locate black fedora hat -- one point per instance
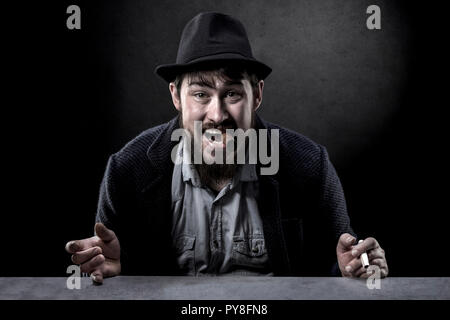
(210, 39)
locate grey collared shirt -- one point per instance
(216, 234)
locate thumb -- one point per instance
(346, 240)
(97, 276)
(103, 232)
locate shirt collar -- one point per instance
(246, 172)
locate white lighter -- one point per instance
(364, 258)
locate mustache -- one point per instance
(222, 126)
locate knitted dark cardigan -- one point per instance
(302, 207)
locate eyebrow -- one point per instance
(210, 85)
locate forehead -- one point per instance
(214, 79)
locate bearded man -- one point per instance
(162, 213)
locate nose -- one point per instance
(217, 111)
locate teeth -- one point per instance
(213, 134)
(213, 131)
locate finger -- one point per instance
(365, 275)
(369, 272)
(85, 255)
(103, 232)
(379, 262)
(353, 266)
(360, 272)
(366, 245)
(79, 245)
(92, 264)
(383, 273)
(111, 268)
(345, 242)
(375, 254)
(97, 276)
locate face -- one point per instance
(219, 104)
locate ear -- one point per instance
(259, 94)
(175, 96)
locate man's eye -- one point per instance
(233, 94)
(200, 95)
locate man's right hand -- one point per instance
(99, 255)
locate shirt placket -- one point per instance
(216, 227)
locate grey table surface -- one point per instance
(224, 288)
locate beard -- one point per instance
(214, 173)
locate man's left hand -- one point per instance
(349, 253)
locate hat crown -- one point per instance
(209, 40)
(212, 33)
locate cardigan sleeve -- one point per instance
(332, 199)
(108, 197)
(333, 205)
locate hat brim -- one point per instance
(169, 71)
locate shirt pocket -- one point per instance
(249, 252)
(184, 249)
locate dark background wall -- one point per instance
(375, 99)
